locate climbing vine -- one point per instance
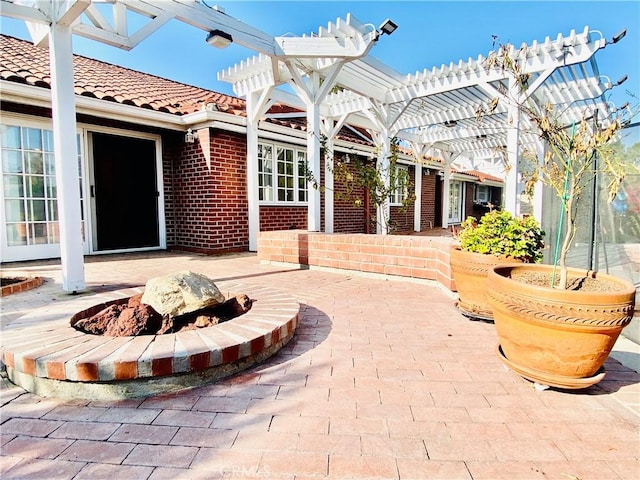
(358, 175)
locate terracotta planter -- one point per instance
(558, 338)
(470, 274)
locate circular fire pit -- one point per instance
(46, 356)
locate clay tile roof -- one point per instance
(22, 62)
(482, 177)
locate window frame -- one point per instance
(487, 194)
(282, 155)
(398, 196)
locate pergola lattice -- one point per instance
(433, 109)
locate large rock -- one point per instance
(180, 293)
(122, 321)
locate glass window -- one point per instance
(399, 178)
(29, 183)
(482, 194)
(265, 173)
(302, 176)
(455, 202)
(281, 179)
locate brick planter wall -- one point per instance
(405, 256)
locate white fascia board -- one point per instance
(492, 183)
(41, 97)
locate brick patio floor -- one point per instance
(384, 379)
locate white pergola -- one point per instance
(433, 109)
(439, 108)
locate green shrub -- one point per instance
(500, 233)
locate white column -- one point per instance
(446, 194)
(313, 160)
(417, 206)
(329, 185)
(511, 198)
(384, 210)
(538, 191)
(252, 170)
(66, 158)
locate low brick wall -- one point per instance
(402, 255)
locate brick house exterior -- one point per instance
(201, 187)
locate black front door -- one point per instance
(125, 192)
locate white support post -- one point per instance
(417, 205)
(446, 191)
(384, 211)
(253, 212)
(257, 104)
(66, 158)
(511, 197)
(313, 160)
(328, 185)
(538, 190)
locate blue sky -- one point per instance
(430, 33)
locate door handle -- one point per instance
(93, 191)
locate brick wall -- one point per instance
(283, 217)
(211, 200)
(401, 255)
(348, 217)
(428, 208)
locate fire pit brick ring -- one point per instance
(45, 355)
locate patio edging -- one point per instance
(50, 357)
(425, 258)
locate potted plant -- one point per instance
(498, 238)
(556, 325)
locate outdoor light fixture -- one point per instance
(621, 80)
(219, 39)
(619, 36)
(190, 137)
(450, 123)
(388, 27)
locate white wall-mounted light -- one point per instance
(190, 136)
(219, 39)
(388, 27)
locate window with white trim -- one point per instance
(282, 174)
(29, 185)
(482, 194)
(455, 202)
(400, 179)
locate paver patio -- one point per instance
(383, 379)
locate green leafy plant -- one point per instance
(500, 233)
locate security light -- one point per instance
(388, 27)
(619, 36)
(219, 39)
(190, 137)
(621, 80)
(450, 123)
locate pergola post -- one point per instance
(66, 157)
(383, 211)
(511, 197)
(257, 104)
(538, 189)
(313, 154)
(417, 204)
(446, 190)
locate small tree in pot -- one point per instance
(497, 238)
(559, 331)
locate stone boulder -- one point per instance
(122, 320)
(181, 293)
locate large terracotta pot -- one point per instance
(554, 337)
(470, 274)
